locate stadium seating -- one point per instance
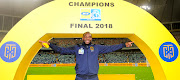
(113, 57)
(44, 58)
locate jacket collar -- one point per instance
(86, 44)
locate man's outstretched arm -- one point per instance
(61, 50)
(107, 49)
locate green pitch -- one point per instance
(141, 73)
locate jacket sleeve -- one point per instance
(61, 50)
(107, 49)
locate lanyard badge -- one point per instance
(81, 51)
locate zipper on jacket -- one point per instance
(87, 58)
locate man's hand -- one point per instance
(128, 44)
(42, 42)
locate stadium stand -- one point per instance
(44, 58)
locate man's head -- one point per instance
(87, 37)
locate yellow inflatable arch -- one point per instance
(103, 18)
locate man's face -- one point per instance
(87, 38)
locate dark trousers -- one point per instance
(86, 77)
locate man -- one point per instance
(87, 64)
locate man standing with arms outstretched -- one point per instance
(87, 64)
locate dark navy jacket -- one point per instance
(87, 56)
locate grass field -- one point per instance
(141, 73)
